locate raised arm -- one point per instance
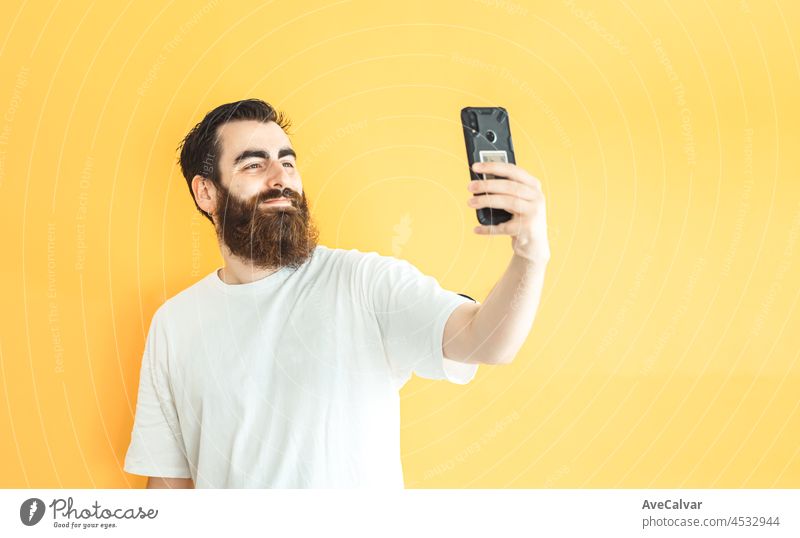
(494, 331)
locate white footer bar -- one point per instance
(417, 513)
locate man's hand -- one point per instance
(521, 195)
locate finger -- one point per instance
(499, 169)
(510, 227)
(506, 170)
(503, 186)
(501, 201)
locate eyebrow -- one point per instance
(263, 154)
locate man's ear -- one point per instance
(205, 194)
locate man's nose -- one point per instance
(277, 177)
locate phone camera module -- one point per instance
(491, 137)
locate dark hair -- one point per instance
(200, 150)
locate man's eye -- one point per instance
(290, 164)
(252, 165)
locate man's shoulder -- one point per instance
(356, 266)
(362, 256)
(345, 256)
(188, 300)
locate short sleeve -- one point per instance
(411, 309)
(156, 447)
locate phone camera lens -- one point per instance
(490, 136)
(473, 121)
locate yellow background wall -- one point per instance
(665, 350)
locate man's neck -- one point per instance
(237, 271)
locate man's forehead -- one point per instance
(236, 136)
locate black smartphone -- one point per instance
(487, 135)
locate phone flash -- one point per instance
(492, 156)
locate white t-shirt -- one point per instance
(291, 381)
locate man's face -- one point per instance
(262, 212)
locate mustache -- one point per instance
(271, 194)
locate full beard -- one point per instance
(267, 236)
